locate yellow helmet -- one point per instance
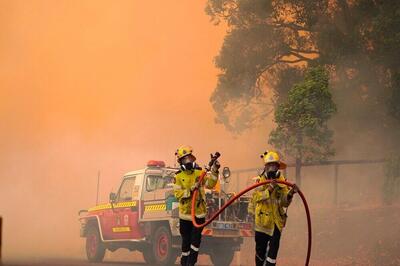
(273, 157)
(183, 151)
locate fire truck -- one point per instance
(143, 216)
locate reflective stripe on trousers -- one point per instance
(267, 247)
(191, 239)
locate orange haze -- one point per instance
(99, 85)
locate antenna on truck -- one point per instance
(98, 185)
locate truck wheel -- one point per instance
(95, 249)
(221, 257)
(148, 255)
(163, 253)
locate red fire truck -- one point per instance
(143, 216)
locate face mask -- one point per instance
(188, 166)
(187, 163)
(273, 174)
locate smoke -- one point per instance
(89, 86)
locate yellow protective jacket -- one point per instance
(268, 208)
(184, 180)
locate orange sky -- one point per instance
(96, 70)
(100, 85)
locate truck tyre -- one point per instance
(95, 249)
(221, 257)
(162, 251)
(148, 255)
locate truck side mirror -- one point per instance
(226, 173)
(113, 197)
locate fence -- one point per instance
(250, 172)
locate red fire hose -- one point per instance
(215, 215)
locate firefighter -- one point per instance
(186, 181)
(268, 207)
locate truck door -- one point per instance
(126, 215)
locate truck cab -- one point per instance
(143, 216)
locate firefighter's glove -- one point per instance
(271, 187)
(215, 167)
(195, 186)
(295, 189)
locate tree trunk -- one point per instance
(299, 157)
(298, 171)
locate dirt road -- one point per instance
(67, 262)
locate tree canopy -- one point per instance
(269, 44)
(302, 119)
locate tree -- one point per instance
(302, 120)
(394, 100)
(391, 185)
(267, 41)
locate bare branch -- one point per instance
(300, 56)
(305, 51)
(291, 25)
(292, 61)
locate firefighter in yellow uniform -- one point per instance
(268, 206)
(186, 181)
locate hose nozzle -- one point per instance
(213, 159)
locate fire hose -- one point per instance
(215, 215)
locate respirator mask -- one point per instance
(188, 163)
(271, 171)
